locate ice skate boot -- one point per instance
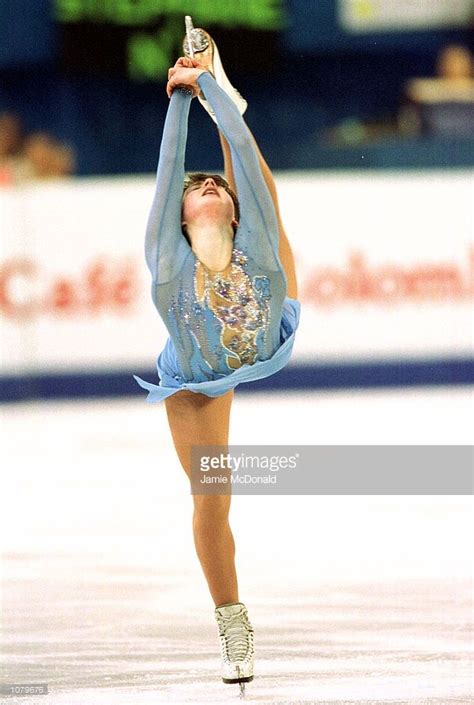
(199, 45)
(237, 645)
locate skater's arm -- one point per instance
(265, 169)
(165, 246)
(256, 203)
(285, 252)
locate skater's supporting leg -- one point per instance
(196, 419)
(285, 252)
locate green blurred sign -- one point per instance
(261, 14)
(149, 33)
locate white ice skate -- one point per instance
(199, 45)
(237, 647)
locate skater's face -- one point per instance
(209, 199)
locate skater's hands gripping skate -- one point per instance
(185, 72)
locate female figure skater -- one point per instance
(223, 280)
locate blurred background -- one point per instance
(364, 109)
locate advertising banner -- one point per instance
(385, 270)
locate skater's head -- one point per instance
(208, 197)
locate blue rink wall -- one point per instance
(85, 385)
(385, 265)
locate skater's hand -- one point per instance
(183, 62)
(187, 62)
(182, 75)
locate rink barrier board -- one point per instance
(386, 284)
(300, 378)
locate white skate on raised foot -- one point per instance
(199, 45)
(237, 646)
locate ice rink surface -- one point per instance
(354, 600)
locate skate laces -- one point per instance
(236, 634)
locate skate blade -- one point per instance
(195, 42)
(242, 679)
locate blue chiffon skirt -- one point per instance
(168, 367)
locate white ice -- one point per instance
(354, 600)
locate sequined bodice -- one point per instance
(240, 304)
(220, 321)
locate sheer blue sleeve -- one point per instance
(258, 229)
(165, 246)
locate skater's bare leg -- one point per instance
(285, 252)
(196, 419)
